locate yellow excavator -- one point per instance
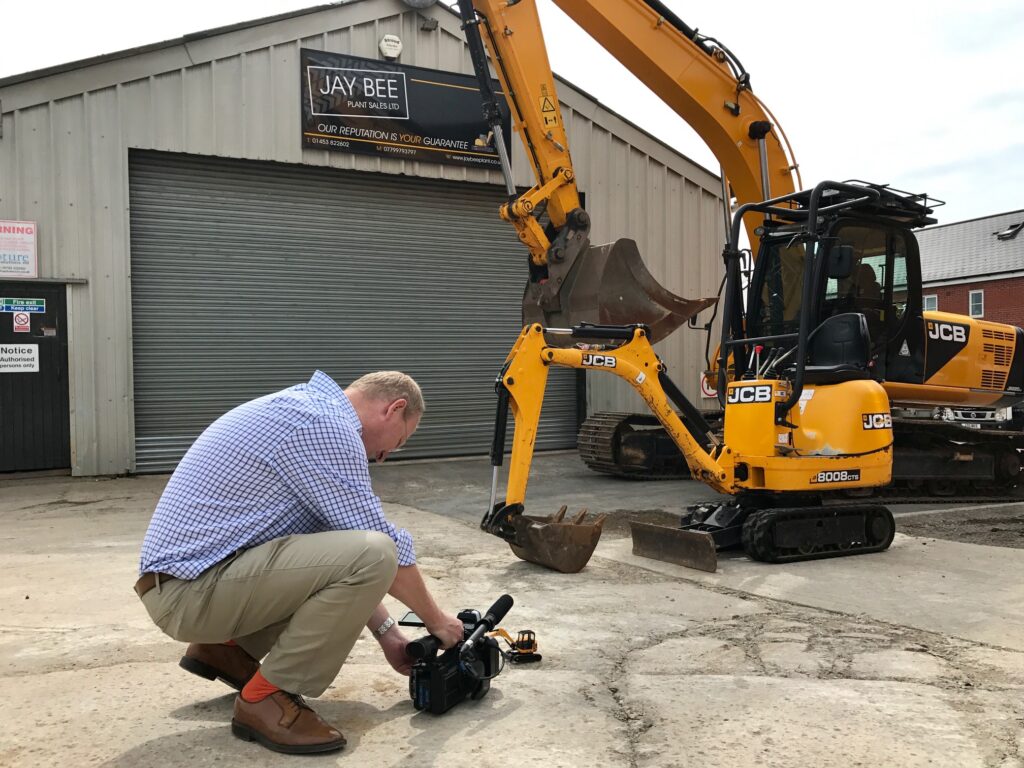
(831, 328)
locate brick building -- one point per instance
(976, 267)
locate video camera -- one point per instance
(440, 680)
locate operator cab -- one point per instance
(869, 265)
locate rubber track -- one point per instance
(596, 446)
(759, 538)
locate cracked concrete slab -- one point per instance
(643, 665)
(966, 590)
(766, 721)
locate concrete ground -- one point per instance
(911, 657)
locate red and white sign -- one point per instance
(707, 389)
(18, 249)
(22, 322)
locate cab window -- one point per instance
(877, 284)
(781, 283)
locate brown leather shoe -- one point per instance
(284, 722)
(230, 663)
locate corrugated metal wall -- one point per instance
(244, 274)
(235, 93)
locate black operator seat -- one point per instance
(838, 350)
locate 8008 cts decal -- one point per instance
(837, 476)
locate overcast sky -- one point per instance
(926, 96)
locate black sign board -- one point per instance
(371, 107)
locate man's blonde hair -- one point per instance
(390, 386)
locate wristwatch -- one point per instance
(388, 624)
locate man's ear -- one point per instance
(397, 406)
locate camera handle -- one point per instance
(430, 646)
(423, 648)
(490, 620)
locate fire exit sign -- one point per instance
(22, 305)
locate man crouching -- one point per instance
(269, 543)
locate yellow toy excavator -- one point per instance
(809, 358)
(522, 650)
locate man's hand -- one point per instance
(448, 629)
(393, 644)
(408, 588)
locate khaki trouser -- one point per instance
(301, 601)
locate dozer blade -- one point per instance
(607, 285)
(692, 549)
(554, 543)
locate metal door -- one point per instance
(247, 276)
(34, 416)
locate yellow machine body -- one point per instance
(837, 436)
(968, 362)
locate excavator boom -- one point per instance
(703, 83)
(572, 281)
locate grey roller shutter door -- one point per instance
(248, 276)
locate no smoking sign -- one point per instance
(22, 322)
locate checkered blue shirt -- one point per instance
(291, 462)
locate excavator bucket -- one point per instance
(606, 285)
(554, 543)
(692, 549)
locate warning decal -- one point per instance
(548, 110)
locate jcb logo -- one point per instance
(753, 393)
(947, 332)
(877, 420)
(599, 361)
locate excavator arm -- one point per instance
(572, 281)
(697, 77)
(525, 75)
(524, 378)
(552, 541)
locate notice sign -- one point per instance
(19, 358)
(22, 305)
(18, 249)
(370, 107)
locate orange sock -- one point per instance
(258, 688)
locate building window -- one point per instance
(976, 302)
(931, 302)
